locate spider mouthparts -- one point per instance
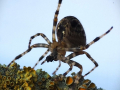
(49, 58)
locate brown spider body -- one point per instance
(70, 31)
(71, 37)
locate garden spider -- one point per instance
(71, 37)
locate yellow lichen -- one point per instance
(86, 81)
(83, 86)
(82, 89)
(29, 79)
(51, 83)
(92, 85)
(69, 80)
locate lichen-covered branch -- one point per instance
(14, 78)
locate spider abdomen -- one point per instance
(71, 32)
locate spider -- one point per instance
(71, 37)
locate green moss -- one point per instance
(27, 78)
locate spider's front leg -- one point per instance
(28, 50)
(41, 58)
(38, 34)
(48, 41)
(55, 21)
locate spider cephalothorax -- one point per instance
(71, 37)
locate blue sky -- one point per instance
(20, 19)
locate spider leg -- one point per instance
(55, 21)
(38, 34)
(89, 44)
(72, 63)
(43, 61)
(83, 52)
(57, 68)
(96, 64)
(41, 58)
(95, 40)
(28, 50)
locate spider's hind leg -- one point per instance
(89, 44)
(83, 52)
(96, 39)
(96, 64)
(71, 64)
